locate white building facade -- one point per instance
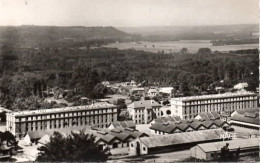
(98, 114)
(190, 107)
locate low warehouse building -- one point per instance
(248, 118)
(172, 142)
(171, 126)
(212, 151)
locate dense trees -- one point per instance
(83, 70)
(77, 147)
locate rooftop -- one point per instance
(233, 144)
(170, 125)
(247, 117)
(182, 138)
(124, 124)
(65, 109)
(212, 96)
(144, 103)
(209, 115)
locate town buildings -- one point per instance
(190, 107)
(124, 124)
(212, 151)
(105, 138)
(208, 115)
(173, 125)
(167, 90)
(144, 111)
(97, 114)
(152, 92)
(240, 86)
(172, 142)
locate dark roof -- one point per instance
(195, 125)
(120, 134)
(182, 138)
(170, 127)
(207, 123)
(166, 119)
(124, 124)
(105, 137)
(134, 133)
(219, 122)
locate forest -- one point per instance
(27, 72)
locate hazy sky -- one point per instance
(128, 12)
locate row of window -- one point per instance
(31, 126)
(217, 101)
(218, 107)
(54, 116)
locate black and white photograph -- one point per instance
(125, 81)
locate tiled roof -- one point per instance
(170, 125)
(144, 104)
(207, 123)
(119, 134)
(124, 124)
(182, 138)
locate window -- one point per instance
(144, 148)
(132, 145)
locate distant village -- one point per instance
(138, 120)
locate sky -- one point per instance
(128, 13)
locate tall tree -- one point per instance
(77, 147)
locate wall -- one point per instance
(198, 153)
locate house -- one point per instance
(152, 92)
(35, 136)
(124, 124)
(212, 151)
(167, 90)
(248, 118)
(137, 91)
(173, 142)
(105, 138)
(144, 111)
(219, 88)
(240, 86)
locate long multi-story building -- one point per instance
(98, 114)
(189, 107)
(144, 111)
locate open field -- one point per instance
(176, 46)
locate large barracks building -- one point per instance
(189, 107)
(98, 115)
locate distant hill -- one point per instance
(42, 34)
(193, 32)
